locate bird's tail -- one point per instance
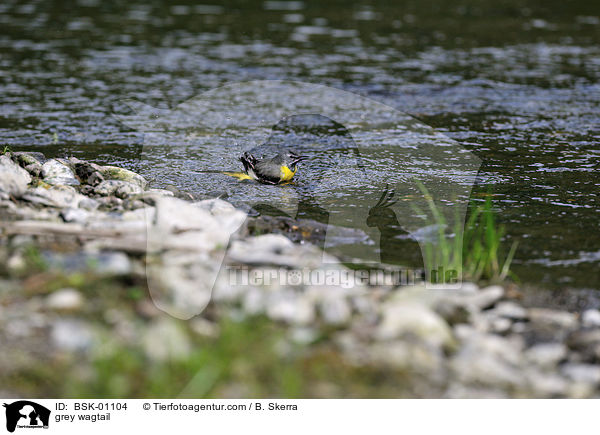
(238, 175)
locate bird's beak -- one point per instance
(298, 159)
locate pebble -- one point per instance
(71, 335)
(401, 318)
(166, 340)
(546, 354)
(57, 173)
(14, 179)
(584, 373)
(66, 299)
(591, 318)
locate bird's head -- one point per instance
(292, 158)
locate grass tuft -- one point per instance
(472, 251)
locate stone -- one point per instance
(76, 215)
(13, 178)
(487, 359)
(402, 318)
(35, 169)
(28, 158)
(546, 317)
(335, 311)
(487, 297)
(585, 373)
(55, 196)
(55, 173)
(509, 310)
(121, 189)
(66, 299)
(286, 307)
(546, 355)
(231, 218)
(591, 318)
(121, 174)
(71, 335)
(276, 250)
(112, 263)
(165, 340)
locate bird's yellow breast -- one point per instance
(286, 173)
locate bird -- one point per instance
(276, 170)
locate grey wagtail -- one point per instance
(276, 170)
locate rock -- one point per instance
(587, 343)
(546, 355)
(121, 174)
(204, 327)
(335, 311)
(402, 318)
(545, 317)
(165, 340)
(95, 178)
(489, 360)
(75, 215)
(121, 189)
(35, 169)
(55, 173)
(276, 250)
(286, 307)
(71, 335)
(591, 318)
(547, 384)
(13, 178)
(28, 158)
(161, 192)
(230, 217)
(66, 299)
(487, 297)
(509, 310)
(585, 373)
(56, 196)
(112, 263)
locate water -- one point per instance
(516, 84)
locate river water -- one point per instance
(514, 83)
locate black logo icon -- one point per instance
(26, 414)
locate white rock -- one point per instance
(509, 310)
(546, 354)
(66, 299)
(121, 174)
(584, 373)
(56, 196)
(119, 188)
(402, 318)
(335, 311)
(230, 218)
(591, 318)
(165, 340)
(113, 263)
(487, 359)
(71, 335)
(292, 309)
(57, 173)
(552, 318)
(76, 215)
(13, 178)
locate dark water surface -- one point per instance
(516, 83)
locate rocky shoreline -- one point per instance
(96, 265)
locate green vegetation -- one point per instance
(5, 150)
(473, 251)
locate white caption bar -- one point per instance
(151, 416)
